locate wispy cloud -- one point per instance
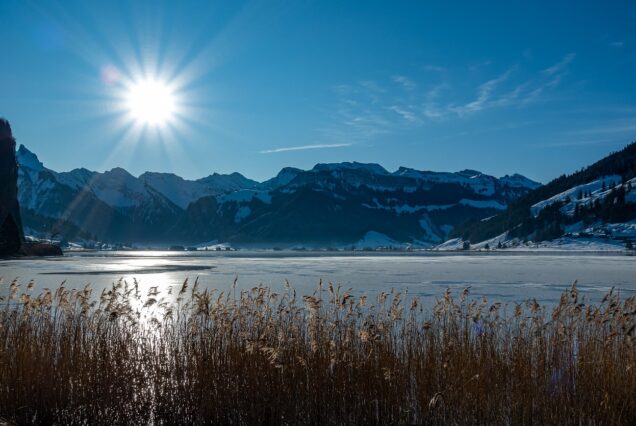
(616, 44)
(407, 114)
(484, 95)
(304, 147)
(405, 82)
(559, 66)
(368, 108)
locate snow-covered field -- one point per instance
(506, 276)
(578, 238)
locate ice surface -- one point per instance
(503, 276)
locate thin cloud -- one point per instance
(559, 66)
(368, 108)
(304, 147)
(405, 82)
(404, 113)
(484, 94)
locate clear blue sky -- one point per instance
(539, 88)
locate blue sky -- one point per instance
(539, 88)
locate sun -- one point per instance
(151, 102)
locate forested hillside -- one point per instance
(603, 192)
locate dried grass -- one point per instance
(249, 357)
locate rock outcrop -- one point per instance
(11, 234)
(12, 241)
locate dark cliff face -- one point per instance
(11, 234)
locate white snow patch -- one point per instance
(492, 243)
(483, 204)
(403, 208)
(452, 244)
(627, 229)
(575, 244)
(432, 207)
(213, 245)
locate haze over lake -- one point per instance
(505, 277)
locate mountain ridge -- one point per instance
(329, 203)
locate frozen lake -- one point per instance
(501, 276)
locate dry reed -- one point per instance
(194, 356)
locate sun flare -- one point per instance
(151, 102)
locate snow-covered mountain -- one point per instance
(340, 203)
(283, 177)
(594, 207)
(182, 192)
(476, 181)
(113, 205)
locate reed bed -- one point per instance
(194, 356)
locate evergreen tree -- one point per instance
(577, 212)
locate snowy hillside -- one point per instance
(595, 205)
(581, 194)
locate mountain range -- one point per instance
(336, 204)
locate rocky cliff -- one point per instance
(11, 235)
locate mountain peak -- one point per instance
(285, 176)
(469, 173)
(517, 180)
(28, 160)
(233, 180)
(161, 175)
(119, 172)
(368, 167)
